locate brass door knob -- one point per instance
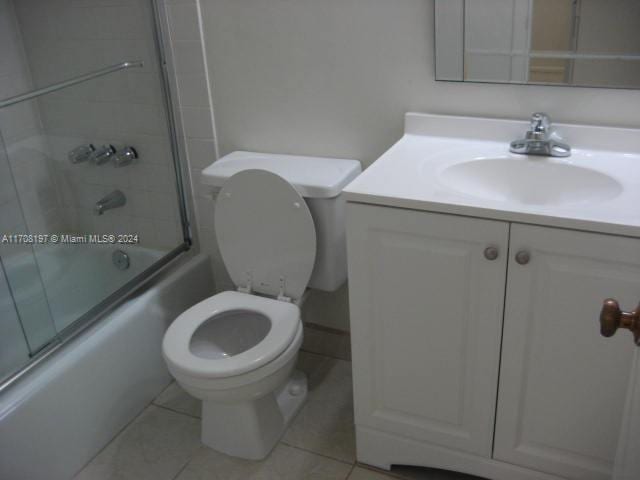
(612, 318)
(523, 257)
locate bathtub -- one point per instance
(56, 418)
(75, 278)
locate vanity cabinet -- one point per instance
(476, 344)
(426, 310)
(563, 385)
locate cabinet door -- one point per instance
(563, 385)
(426, 318)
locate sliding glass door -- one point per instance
(92, 200)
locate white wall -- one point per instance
(335, 77)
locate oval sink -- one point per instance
(537, 181)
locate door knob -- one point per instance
(523, 257)
(491, 253)
(612, 318)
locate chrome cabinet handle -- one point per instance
(491, 253)
(523, 257)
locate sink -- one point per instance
(529, 181)
(462, 166)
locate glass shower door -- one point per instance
(89, 166)
(26, 325)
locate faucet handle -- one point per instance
(540, 122)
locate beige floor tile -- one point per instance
(284, 463)
(325, 423)
(155, 446)
(175, 398)
(360, 473)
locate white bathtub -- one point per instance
(75, 277)
(61, 414)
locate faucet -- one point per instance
(539, 140)
(114, 200)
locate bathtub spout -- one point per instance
(115, 199)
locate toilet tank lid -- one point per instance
(312, 177)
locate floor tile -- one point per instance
(155, 446)
(284, 463)
(360, 473)
(175, 398)
(325, 423)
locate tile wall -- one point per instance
(63, 39)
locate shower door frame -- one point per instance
(185, 208)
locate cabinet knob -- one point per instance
(491, 253)
(523, 257)
(612, 318)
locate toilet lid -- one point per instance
(265, 234)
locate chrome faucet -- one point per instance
(114, 200)
(539, 140)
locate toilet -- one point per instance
(279, 222)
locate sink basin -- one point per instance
(529, 181)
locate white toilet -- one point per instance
(279, 223)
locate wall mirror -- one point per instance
(593, 43)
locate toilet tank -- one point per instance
(320, 182)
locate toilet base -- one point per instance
(251, 429)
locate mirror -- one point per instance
(592, 43)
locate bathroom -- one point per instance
(375, 143)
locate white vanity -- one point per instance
(476, 281)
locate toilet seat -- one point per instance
(284, 321)
(266, 235)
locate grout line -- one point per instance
(164, 407)
(346, 462)
(325, 329)
(328, 357)
(113, 439)
(353, 467)
(184, 467)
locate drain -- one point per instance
(121, 260)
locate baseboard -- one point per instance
(382, 450)
(326, 341)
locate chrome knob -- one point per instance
(523, 257)
(491, 253)
(125, 157)
(81, 154)
(103, 154)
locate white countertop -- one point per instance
(410, 174)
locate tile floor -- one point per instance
(163, 442)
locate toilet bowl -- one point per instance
(236, 351)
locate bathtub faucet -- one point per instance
(114, 200)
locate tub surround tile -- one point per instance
(155, 446)
(325, 423)
(284, 463)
